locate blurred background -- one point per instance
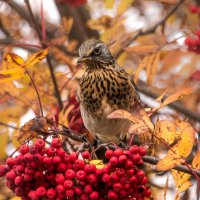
(158, 42)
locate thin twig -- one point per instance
(37, 28)
(151, 30)
(8, 125)
(36, 90)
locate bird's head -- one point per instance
(94, 53)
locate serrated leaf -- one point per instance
(181, 180)
(196, 161)
(185, 144)
(124, 5)
(109, 4)
(166, 130)
(170, 160)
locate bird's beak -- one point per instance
(81, 60)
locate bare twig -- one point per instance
(151, 30)
(8, 125)
(36, 90)
(37, 28)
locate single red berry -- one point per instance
(56, 159)
(41, 191)
(81, 175)
(114, 177)
(84, 197)
(141, 189)
(50, 176)
(62, 167)
(19, 169)
(73, 157)
(10, 162)
(106, 178)
(122, 159)
(78, 191)
(11, 175)
(56, 143)
(142, 151)
(39, 144)
(60, 189)
(112, 195)
(134, 149)
(87, 189)
(136, 158)
(46, 160)
(69, 193)
(70, 174)
(18, 180)
(27, 177)
(113, 161)
(86, 155)
(90, 168)
(118, 152)
(129, 164)
(120, 172)
(68, 184)
(28, 157)
(92, 179)
(117, 187)
(144, 180)
(32, 195)
(60, 178)
(38, 175)
(148, 193)
(60, 152)
(123, 194)
(127, 186)
(94, 195)
(193, 8)
(2, 170)
(29, 171)
(130, 172)
(134, 180)
(140, 175)
(99, 172)
(109, 153)
(33, 149)
(79, 164)
(51, 193)
(50, 151)
(24, 149)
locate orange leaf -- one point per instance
(187, 135)
(13, 60)
(142, 49)
(181, 180)
(170, 160)
(166, 130)
(178, 95)
(196, 161)
(36, 57)
(11, 74)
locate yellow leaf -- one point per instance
(166, 130)
(98, 163)
(196, 161)
(178, 95)
(170, 160)
(36, 57)
(181, 180)
(4, 141)
(124, 5)
(13, 60)
(11, 74)
(186, 143)
(109, 3)
(142, 49)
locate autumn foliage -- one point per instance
(45, 150)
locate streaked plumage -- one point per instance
(104, 88)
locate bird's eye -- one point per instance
(97, 50)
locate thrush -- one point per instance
(104, 88)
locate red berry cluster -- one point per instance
(40, 172)
(75, 3)
(194, 43)
(194, 9)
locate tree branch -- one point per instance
(8, 125)
(151, 30)
(153, 161)
(37, 28)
